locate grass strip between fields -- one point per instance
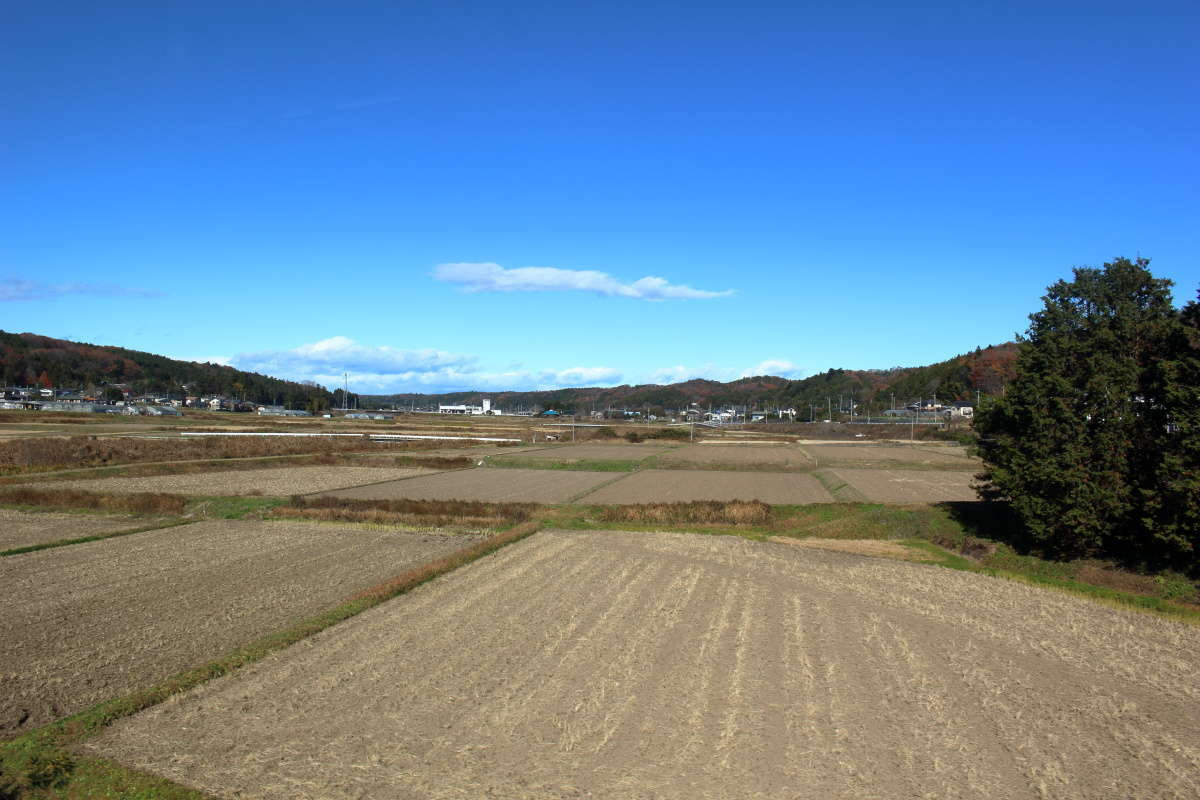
(16, 551)
(837, 486)
(40, 763)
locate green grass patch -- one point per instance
(837, 487)
(232, 507)
(80, 540)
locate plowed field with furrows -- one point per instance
(620, 665)
(272, 481)
(910, 485)
(23, 528)
(92, 621)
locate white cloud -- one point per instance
(489, 277)
(14, 290)
(384, 370)
(780, 368)
(339, 354)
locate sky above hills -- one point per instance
(436, 196)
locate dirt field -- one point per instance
(925, 456)
(670, 486)
(492, 485)
(733, 456)
(272, 482)
(910, 485)
(91, 621)
(597, 452)
(625, 665)
(863, 547)
(21, 529)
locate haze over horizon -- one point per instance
(437, 197)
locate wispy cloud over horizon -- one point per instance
(385, 370)
(391, 370)
(19, 290)
(490, 277)
(779, 368)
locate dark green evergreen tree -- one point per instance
(1073, 441)
(1172, 500)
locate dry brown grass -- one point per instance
(730, 512)
(139, 503)
(437, 513)
(89, 451)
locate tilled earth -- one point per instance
(632, 665)
(489, 485)
(733, 456)
(910, 485)
(273, 481)
(674, 486)
(91, 621)
(23, 528)
(894, 456)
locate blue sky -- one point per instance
(442, 195)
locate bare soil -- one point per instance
(96, 620)
(671, 486)
(626, 665)
(893, 455)
(271, 482)
(910, 485)
(596, 452)
(22, 529)
(491, 485)
(733, 456)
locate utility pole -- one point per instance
(829, 400)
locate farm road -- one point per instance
(616, 665)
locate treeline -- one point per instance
(1096, 444)
(985, 371)
(27, 359)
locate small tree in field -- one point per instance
(1076, 443)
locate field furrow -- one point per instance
(615, 664)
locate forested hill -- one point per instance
(27, 359)
(986, 370)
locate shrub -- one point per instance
(729, 512)
(138, 503)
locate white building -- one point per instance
(486, 408)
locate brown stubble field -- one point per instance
(672, 486)
(892, 455)
(24, 528)
(596, 452)
(97, 620)
(777, 457)
(911, 485)
(270, 482)
(491, 485)
(617, 665)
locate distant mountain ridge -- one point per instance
(30, 359)
(985, 371)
